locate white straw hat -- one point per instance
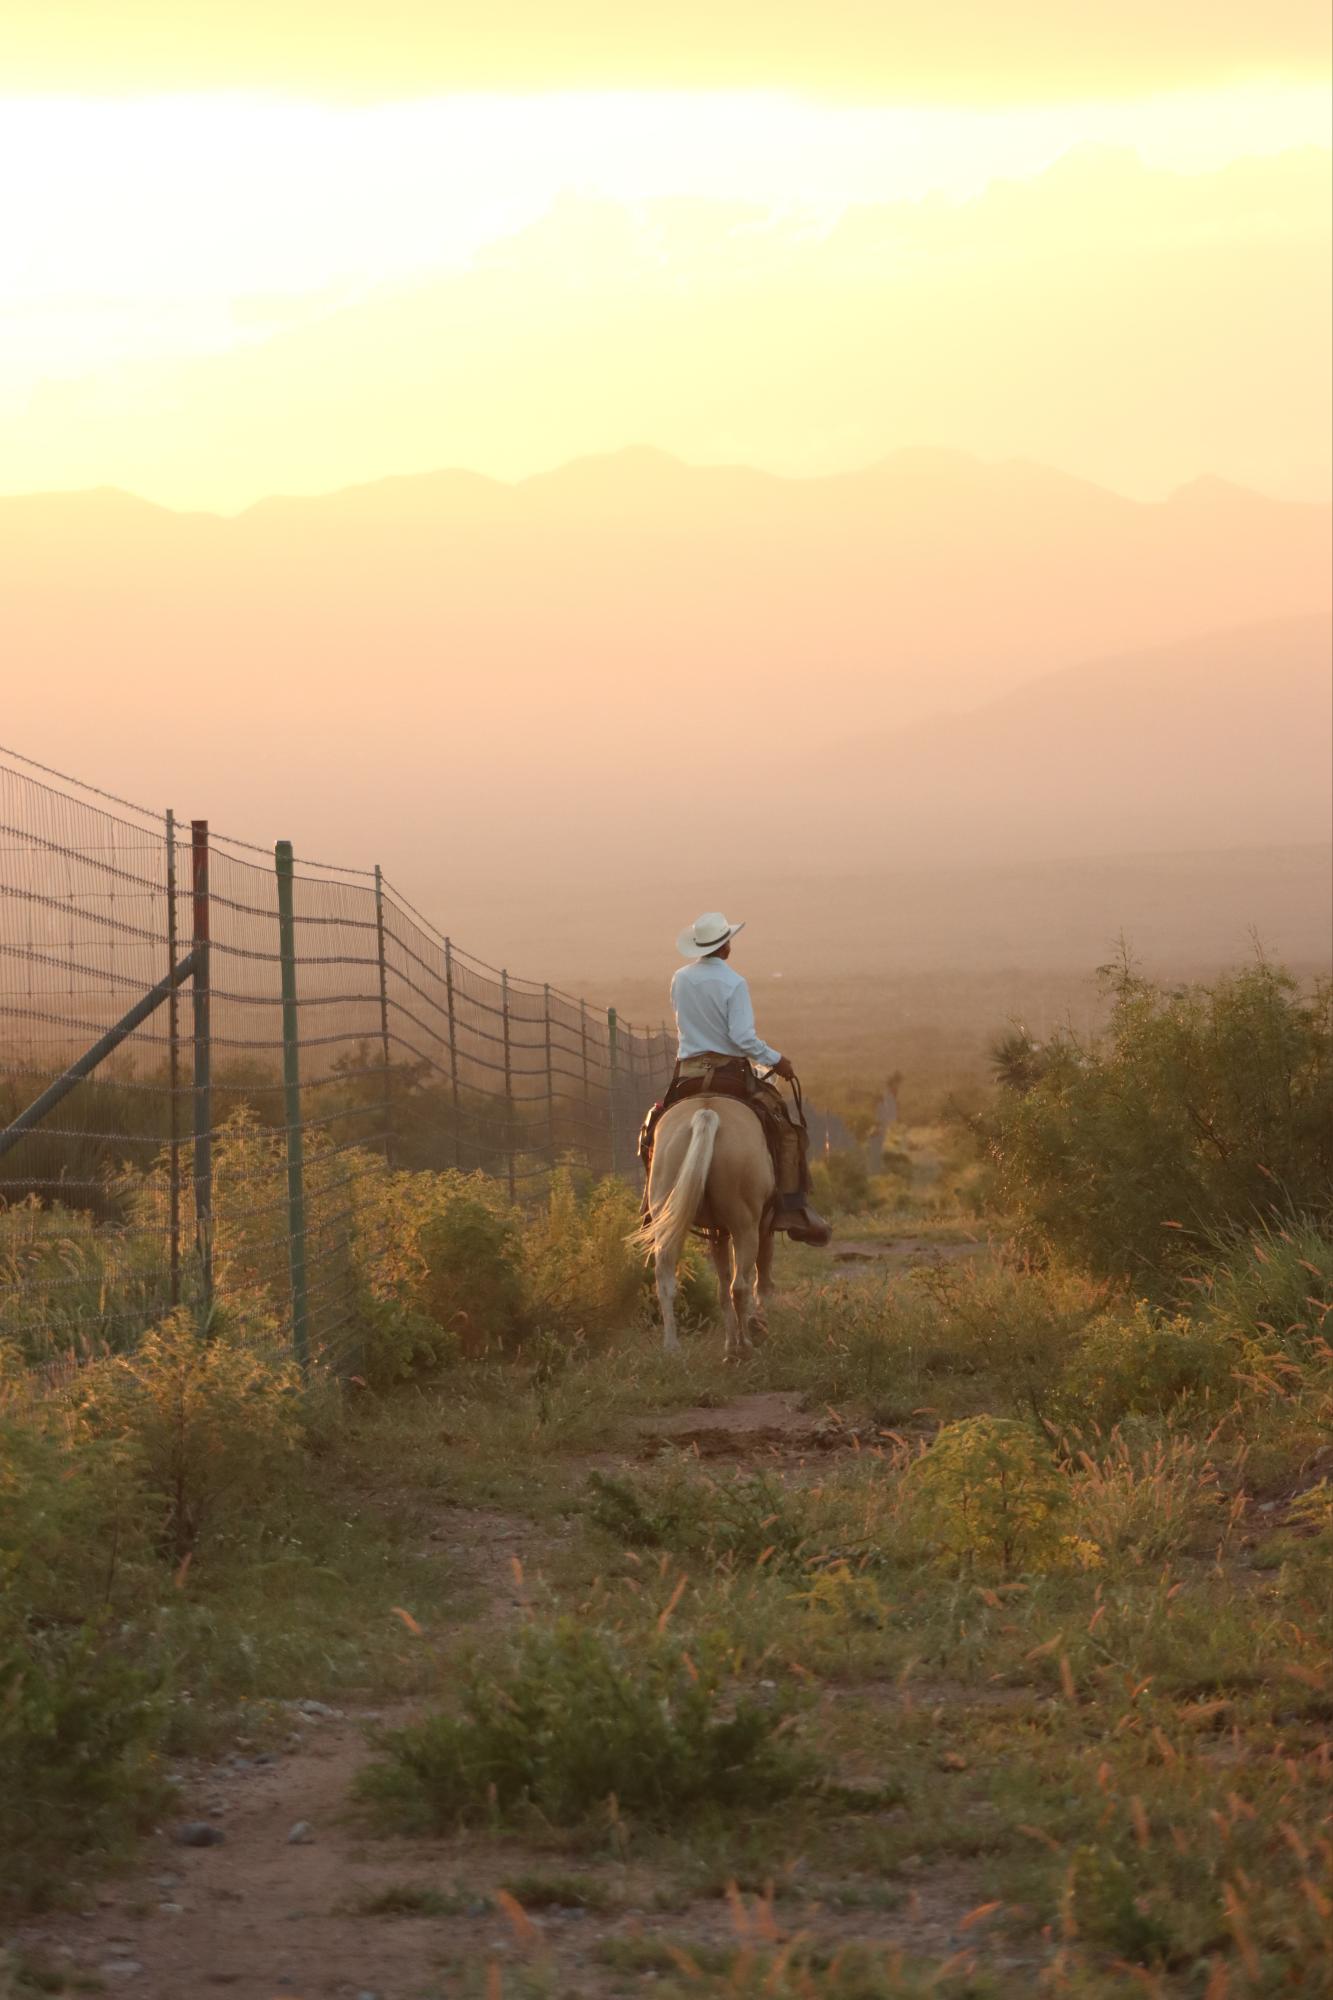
(706, 934)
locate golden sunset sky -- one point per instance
(255, 248)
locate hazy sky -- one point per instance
(286, 248)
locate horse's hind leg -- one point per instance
(719, 1249)
(767, 1238)
(763, 1285)
(665, 1274)
(744, 1285)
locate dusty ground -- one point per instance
(264, 1917)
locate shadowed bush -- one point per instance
(742, 1518)
(78, 1774)
(1204, 1111)
(575, 1718)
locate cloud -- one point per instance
(1135, 326)
(859, 49)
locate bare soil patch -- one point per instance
(910, 1250)
(771, 1421)
(261, 1917)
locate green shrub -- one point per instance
(396, 1341)
(576, 1717)
(583, 1279)
(205, 1421)
(72, 1525)
(987, 1495)
(1142, 1361)
(739, 1518)
(1205, 1110)
(1115, 1905)
(78, 1771)
(473, 1287)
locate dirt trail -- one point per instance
(909, 1250)
(265, 1916)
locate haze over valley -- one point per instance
(561, 710)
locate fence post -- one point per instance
(174, 1063)
(611, 1039)
(203, 1062)
(583, 1052)
(291, 1080)
(509, 1084)
(384, 1014)
(453, 1050)
(550, 1074)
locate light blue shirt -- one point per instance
(714, 1013)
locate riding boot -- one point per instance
(794, 1213)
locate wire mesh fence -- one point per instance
(211, 1059)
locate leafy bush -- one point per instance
(1113, 1902)
(1142, 1361)
(71, 1524)
(439, 1269)
(576, 1717)
(583, 1279)
(78, 1732)
(205, 1420)
(987, 1495)
(473, 1287)
(740, 1518)
(1204, 1111)
(395, 1341)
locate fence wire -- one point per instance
(161, 1178)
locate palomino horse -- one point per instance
(713, 1146)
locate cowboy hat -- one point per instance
(706, 934)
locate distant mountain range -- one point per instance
(1186, 746)
(633, 670)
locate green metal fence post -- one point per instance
(291, 1079)
(583, 1053)
(174, 1064)
(509, 1085)
(550, 1075)
(384, 1015)
(453, 1051)
(201, 990)
(612, 1036)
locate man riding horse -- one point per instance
(718, 1048)
(730, 1157)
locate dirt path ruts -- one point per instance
(263, 1917)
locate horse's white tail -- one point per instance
(664, 1233)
